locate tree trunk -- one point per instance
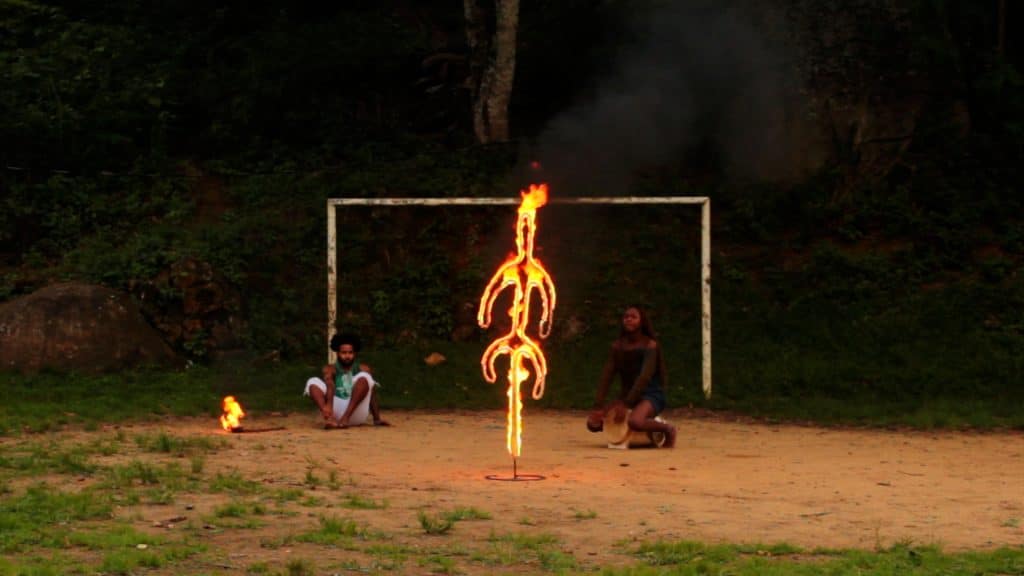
(492, 64)
(477, 40)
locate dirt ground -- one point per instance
(726, 481)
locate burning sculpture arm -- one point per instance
(529, 349)
(497, 348)
(507, 275)
(540, 280)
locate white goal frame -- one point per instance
(705, 250)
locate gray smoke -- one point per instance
(698, 74)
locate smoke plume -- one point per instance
(697, 75)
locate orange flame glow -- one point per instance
(233, 413)
(525, 274)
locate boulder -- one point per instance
(78, 327)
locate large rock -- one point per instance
(78, 327)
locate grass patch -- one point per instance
(165, 444)
(435, 525)
(442, 523)
(234, 483)
(29, 518)
(311, 501)
(117, 397)
(285, 495)
(528, 549)
(388, 557)
(470, 513)
(54, 564)
(33, 458)
(300, 568)
(358, 502)
(440, 565)
(311, 479)
(143, 481)
(116, 537)
(129, 561)
(584, 514)
(333, 530)
(239, 510)
(749, 560)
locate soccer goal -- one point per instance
(705, 249)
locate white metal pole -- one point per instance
(332, 276)
(705, 295)
(514, 201)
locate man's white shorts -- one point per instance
(361, 412)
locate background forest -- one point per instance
(862, 159)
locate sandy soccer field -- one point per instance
(726, 481)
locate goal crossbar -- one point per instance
(705, 249)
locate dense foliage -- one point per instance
(135, 135)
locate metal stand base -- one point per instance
(516, 476)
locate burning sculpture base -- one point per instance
(516, 476)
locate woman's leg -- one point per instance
(642, 418)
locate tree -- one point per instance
(492, 64)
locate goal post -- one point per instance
(705, 250)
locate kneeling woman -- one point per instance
(636, 358)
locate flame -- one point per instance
(232, 413)
(524, 274)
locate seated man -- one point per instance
(348, 393)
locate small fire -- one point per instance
(526, 274)
(232, 413)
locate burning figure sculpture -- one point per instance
(524, 274)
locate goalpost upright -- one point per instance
(705, 250)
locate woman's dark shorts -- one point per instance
(657, 399)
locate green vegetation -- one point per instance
(684, 558)
(584, 514)
(335, 531)
(938, 365)
(541, 550)
(435, 524)
(27, 518)
(234, 483)
(442, 523)
(470, 513)
(141, 139)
